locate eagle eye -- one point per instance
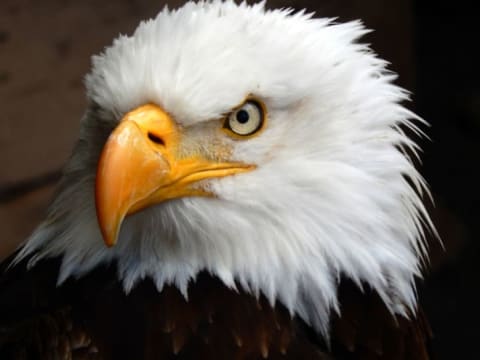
(245, 120)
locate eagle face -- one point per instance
(262, 146)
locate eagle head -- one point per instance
(264, 147)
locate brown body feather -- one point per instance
(92, 318)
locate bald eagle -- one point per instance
(240, 189)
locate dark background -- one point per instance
(45, 49)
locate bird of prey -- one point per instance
(242, 188)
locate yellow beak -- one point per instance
(141, 165)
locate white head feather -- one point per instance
(332, 193)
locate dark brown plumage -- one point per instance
(92, 318)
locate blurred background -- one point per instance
(45, 49)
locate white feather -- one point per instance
(331, 194)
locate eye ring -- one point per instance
(246, 120)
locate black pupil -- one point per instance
(242, 116)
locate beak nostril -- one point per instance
(156, 139)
